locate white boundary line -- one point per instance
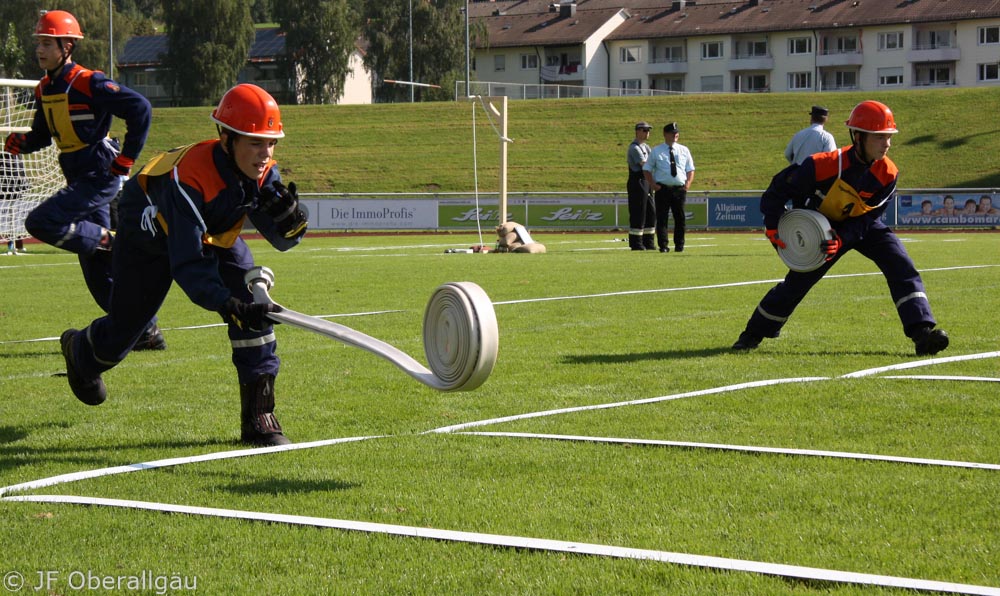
(541, 544)
(942, 378)
(210, 325)
(919, 363)
(717, 286)
(634, 402)
(174, 461)
(746, 449)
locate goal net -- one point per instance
(25, 180)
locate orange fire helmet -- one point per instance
(58, 23)
(872, 116)
(249, 110)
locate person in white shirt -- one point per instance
(669, 171)
(811, 139)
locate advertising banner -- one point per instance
(572, 213)
(735, 212)
(591, 211)
(948, 210)
(461, 214)
(372, 214)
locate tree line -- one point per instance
(209, 41)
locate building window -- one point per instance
(631, 87)
(712, 84)
(629, 55)
(933, 75)
(847, 45)
(670, 54)
(890, 77)
(672, 84)
(552, 61)
(846, 79)
(932, 40)
(798, 81)
(751, 49)
(890, 41)
(989, 73)
(711, 50)
(529, 61)
(499, 63)
(800, 45)
(989, 36)
(750, 83)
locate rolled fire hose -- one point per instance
(802, 231)
(460, 333)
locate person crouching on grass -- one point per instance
(852, 187)
(179, 220)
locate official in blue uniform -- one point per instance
(180, 220)
(74, 107)
(852, 187)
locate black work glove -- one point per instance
(247, 315)
(282, 205)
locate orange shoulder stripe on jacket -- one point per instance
(885, 170)
(198, 170)
(827, 163)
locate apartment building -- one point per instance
(749, 46)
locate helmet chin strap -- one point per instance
(859, 145)
(65, 58)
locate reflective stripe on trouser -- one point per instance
(641, 214)
(73, 219)
(886, 251)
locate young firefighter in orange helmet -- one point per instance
(180, 219)
(852, 187)
(74, 107)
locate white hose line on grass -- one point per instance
(174, 461)
(745, 449)
(537, 544)
(620, 404)
(461, 339)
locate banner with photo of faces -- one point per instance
(958, 209)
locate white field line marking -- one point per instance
(634, 402)
(716, 286)
(919, 363)
(210, 325)
(538, 544)
(747, 449)
(942, 378)
(174, 461)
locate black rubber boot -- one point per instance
(89, 390)
(258, 426)
(747, 341)
(929, 341)
(151, 339)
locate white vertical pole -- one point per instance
(411, 51)
(503, 159)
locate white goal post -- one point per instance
(25, 180)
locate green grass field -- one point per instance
(587, 323)
(575, 145)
